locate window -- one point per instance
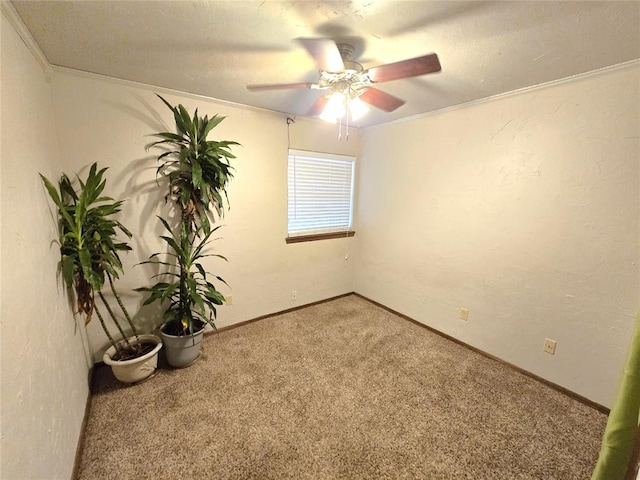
(320, 195)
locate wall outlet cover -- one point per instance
(549, 346)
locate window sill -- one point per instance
(319, 236)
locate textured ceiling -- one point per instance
(215, 48)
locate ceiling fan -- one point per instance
(348, 82)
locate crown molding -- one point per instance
(572, 78)
(191, 95)
(9, 11)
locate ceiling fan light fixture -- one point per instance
(334, 109)
(357, 108)
(340, 104)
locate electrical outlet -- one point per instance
(464, 314)
(549, 346)
(228, 299)
(294, 295)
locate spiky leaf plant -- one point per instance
(89, 247)
(191, 295)
(197, 168)
(197, 172)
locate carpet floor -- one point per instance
(338, 390)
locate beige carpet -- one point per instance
(342, 390)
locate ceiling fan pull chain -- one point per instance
(347, 116)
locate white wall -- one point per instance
(522, 209)
(44, 365)
(111, 121)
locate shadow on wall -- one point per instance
(151, 118)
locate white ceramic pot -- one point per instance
(136, 369)
(182, 350)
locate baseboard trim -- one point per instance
(83, 427)
(555, 386)
(257, 319)
(275, 314)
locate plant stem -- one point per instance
(124, 310)
(184, 294)
(104, 327)
(115, 320)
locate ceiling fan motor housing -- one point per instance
(346, 52)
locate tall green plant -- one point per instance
(89, 248)
(197, 172)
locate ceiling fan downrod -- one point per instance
(346, 52)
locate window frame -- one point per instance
(312, 234)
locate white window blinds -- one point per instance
(320, 192)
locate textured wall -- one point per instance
(522, 209)
(111, 122)
(44, 365)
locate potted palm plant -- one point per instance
(197, 171)
(191, 296)
(89, 251)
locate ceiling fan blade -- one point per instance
(405, 68)
(318, 107)
(325, 52)
(381, 100)
(280, 86)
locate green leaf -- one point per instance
(203, 273)
(68, 269)
(166, 225)
(211, 124)
(173, 244)
(197, 300)
(215, 296)
(165, 102)
(168, 138)
(196, 175)
(53, 193)
(185, 120)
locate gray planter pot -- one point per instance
(183, 350)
